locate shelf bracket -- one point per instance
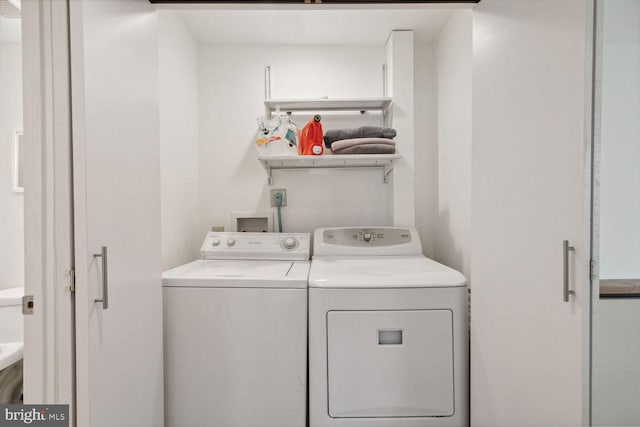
(384, 80)
(387, 170)
(267, 82)
(268, 170)
(385, 116)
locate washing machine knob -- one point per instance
(290, 243)
(231, 242)
(366, 237)
(216, 241)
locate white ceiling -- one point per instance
(316, 26)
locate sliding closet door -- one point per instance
(528, 196)
(616, 299)
(114, 56)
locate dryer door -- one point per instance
(395, 363)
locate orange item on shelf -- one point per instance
(310, 143)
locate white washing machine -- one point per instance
(388, 340)
(235, 333)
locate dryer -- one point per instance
(235, 333)
(388, 332)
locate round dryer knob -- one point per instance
(366, 237)
(216, 241)
(290, 243)
(231, 242)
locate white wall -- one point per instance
(11, 204)
(231, 98)
(426, 146)
(179, 117)
(620, 133)
(453, 224)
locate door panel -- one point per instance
(527, 197)
(48, 351)
(408, 374)
(616, 244)
(117, 205)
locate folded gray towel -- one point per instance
(334, 135)
(367, 149)
(346, 143)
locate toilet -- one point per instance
(11, 344)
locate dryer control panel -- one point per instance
(366, 237)
(366, 241)
(256, 246)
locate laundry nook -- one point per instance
(313, 299)
(319, 213)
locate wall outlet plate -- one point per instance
(273, 193)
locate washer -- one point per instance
(388, 337)
(235, 333)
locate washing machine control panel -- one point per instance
(266, 246)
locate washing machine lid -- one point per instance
(238, 274)
(382, 272)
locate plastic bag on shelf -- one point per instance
(277, 136)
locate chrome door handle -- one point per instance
(105, 279)
(565, 271)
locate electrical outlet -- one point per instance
(273, 196)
